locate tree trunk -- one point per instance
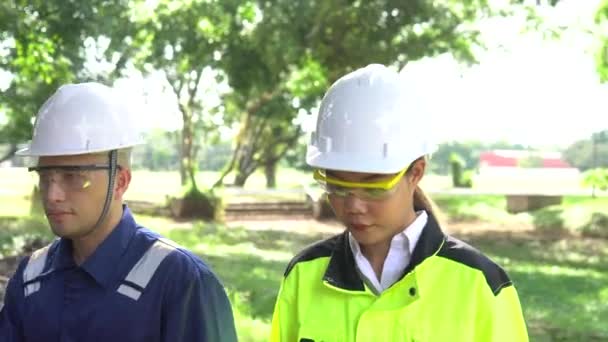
(229, 167)
(274, 148)
(270, 170)
(182, 171)
(240, 179)
(187, 163)
(245, 166)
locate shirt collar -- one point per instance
(413, 232)
(398, 257)
(410, 235)
(341, 271)
(101, 264)
(62, 257)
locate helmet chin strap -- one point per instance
(113, 155)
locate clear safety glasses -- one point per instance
(67, 177)
(369, 191)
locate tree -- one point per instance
(461, 178)
(158, 152)
(531, 162)
(295, 157)
(589, 153)
(468, 151)
(596, 178)
(44, 44)
(601, 18)
(184, 40)
(282, 64)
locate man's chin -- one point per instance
(62, 231)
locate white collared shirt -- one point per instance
(398, 258)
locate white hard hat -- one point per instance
(371, 121)
(83, 118)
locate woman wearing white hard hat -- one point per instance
(393, 275)
(105, 278)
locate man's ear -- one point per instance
(123, 179)
(416, 172)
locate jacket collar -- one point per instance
(101, 265)
(342, 270)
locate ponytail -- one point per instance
(422, 202)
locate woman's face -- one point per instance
(375, 221)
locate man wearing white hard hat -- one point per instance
(393, 274)
(105, 278)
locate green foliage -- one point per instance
(295, 157)
(577, 214)
(249, 329)
(589, 153)
(597, 178)
(191, 192)
(601, 55)
(457, 160)
(161, 153)
(597, 226)
(43, 44)
(184, 40)
(549, 219)
(277, 56)
(456, 165)
(544, 268)
(196, 203)
(214, 157)
(473, 207)
(531, 162)
(467, 179)
(468, 151)
(19, 233)
(158, 153)
(250, 262)
(281, 65)
(460, 177)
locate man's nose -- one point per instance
(53, 191)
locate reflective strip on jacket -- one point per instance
(135, 287)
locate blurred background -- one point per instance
(227, 92)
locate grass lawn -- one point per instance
(17, 183)
(562, 281)
(563, 284)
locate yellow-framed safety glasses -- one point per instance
(363, 190)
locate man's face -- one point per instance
(73, 192)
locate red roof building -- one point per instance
(513, 158)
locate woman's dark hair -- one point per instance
(421, 201)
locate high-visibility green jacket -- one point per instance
(450, 292)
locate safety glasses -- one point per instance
(371, 191)
(68, 177)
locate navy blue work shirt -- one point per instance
(183, 300)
